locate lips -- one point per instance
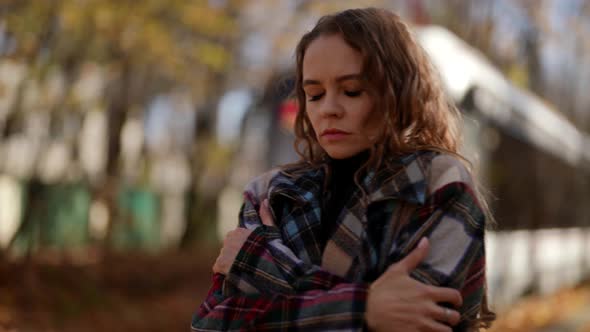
(333, 135)
(334, 131)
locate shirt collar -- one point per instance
(406, 181)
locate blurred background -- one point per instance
(129, 128)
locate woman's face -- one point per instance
(338, 104)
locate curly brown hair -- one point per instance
(417, 113)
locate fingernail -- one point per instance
(265, 202)
(422, 242)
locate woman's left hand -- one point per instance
(234, 240)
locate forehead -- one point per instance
(329, 56)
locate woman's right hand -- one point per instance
(397, 302)
(234, 241)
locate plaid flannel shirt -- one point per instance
(282, 279)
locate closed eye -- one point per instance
(353, 93)
(316, 97)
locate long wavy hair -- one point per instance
(417, 114)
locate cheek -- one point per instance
(374, 121)
(313, 119)
(368, 117)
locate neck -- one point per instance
(349, 166)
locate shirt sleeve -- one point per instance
(269, 288)
(341, 307)
(265, 264)
(454, 222)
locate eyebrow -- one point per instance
(338, 79)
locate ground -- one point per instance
(123, 293)
(160, 293)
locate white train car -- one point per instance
(537, 165)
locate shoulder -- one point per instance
(298, 179)
(445, 169)
(448, 193)
(429, 173)
(258, 186)
(449, 184)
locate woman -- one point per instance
(380, 225)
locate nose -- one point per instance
(331, 106)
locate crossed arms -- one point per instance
(269, 288)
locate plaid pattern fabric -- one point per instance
(282, 280)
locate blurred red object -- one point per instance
(287, 114)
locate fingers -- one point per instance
(233, 242)
(416, 256)
(221, 266)
(237, 235)
(445, 315)
(217, 269)
(265, 214)
(434, 326)
(446, 295)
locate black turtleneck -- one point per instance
(340, 188)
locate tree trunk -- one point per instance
(118, 96)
